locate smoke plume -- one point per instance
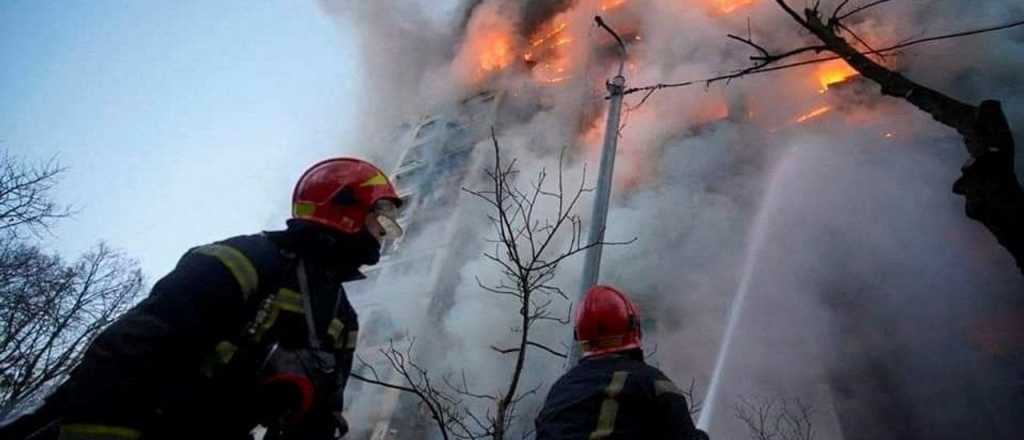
(863, 276)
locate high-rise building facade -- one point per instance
(441, 154)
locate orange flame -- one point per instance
(730, 6)
(558, 28)
(608, 5)
(834, 72)
(496, 52)
(491, 45)
(548, 53)
(813, 114)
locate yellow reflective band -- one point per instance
(285, 299)
(97, 432)
(377, 180)
(289, 300)
(334, 331)
(303, 209)
(351, 339)
(225, 351)
(239, 265)
(666, 387)
(220, 357)
(610, 406)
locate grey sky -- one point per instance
(181, 122)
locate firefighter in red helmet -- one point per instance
(252, 330)
(612, 393)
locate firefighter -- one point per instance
(612, 393)
(252, 330)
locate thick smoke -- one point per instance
(865, 278)
(406, 46)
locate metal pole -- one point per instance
(599, 217)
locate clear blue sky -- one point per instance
(181, 122)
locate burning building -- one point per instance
(799, 214)
(440, 156)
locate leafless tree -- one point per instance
(989, 182)
(26, 204)
(528, 249)
(49, 309)
(776, 418)
(694, 403)
(442, 402)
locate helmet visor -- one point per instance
(382, 221)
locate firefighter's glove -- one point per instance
(340, 425)
(284, 400)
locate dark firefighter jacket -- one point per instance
(615, 397)
(186, 362)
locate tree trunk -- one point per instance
(989, 183)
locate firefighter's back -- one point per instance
(608, 397)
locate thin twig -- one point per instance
(860, 9)
(884, 50)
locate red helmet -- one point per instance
(607, 322)
(342, 193)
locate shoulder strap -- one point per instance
(314, 337)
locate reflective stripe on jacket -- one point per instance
(188, 357)
(615, 397)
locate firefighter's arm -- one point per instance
(675, 412)
(325, 421)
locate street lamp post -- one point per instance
(602, 194)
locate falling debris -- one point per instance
(813, 114)
(834, 72)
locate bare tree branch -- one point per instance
(765, 69)
(531, 344)
(838, 10)
(26, 203)
(989, 183)
(857, 10)
(445, 409)
(52, 311)
(776, 418)
(528, 250)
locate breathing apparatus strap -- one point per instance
(314, 338)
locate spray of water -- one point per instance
(757, 237)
